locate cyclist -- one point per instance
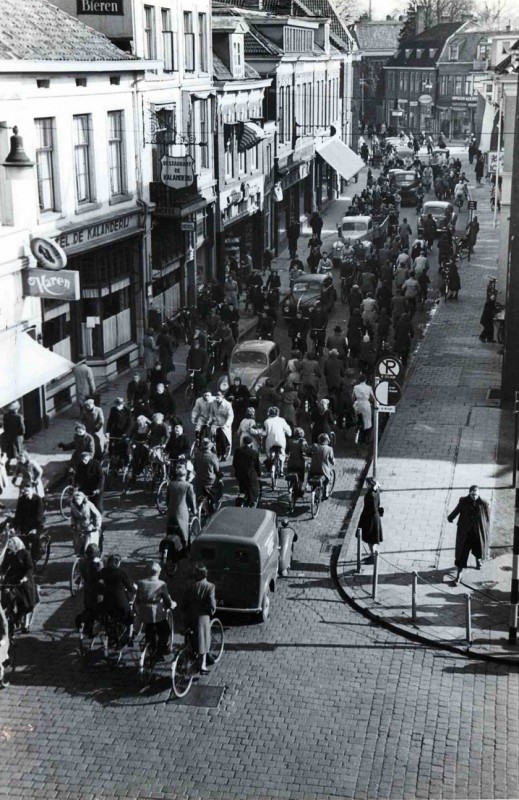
(249, 427)
(81, 442)
(198, 360)
(181, 504)
(137, 394)
(239, 396)
(276, 431)
(118, 429)
(162, 402)
(221, 420)
(318, 324)
(178, 443)
(198, 605)
(299, 332)
(140, 436)
(118, 592)
(208, 475)
(90, 568)
(201, 413)
(152, 603)
(322, 461)
(89, 479)
(460, 193)
(30, 473)
(30, 512)
(86, 522)
(17, 569)
(296, 464)
(247, 471)
(322, 419)
(310, 373)
(159, 431)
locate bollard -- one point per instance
(375, 574)
(413, 596)
(468, 619)
(359, 545)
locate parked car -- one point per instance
(240, 548)
(306, 292)
(407, 182)
(362, 228)
(253, 361)
(437, 208)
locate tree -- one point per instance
(423, 14)
(347, 10)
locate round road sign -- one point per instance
(388, 367)
(388, 393)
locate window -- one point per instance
(82, 159)
(229, 150)
(149, 32)
(483, 51)
(117, 164)
(242, 162)
(253, 158)
(189, 42)
(453, 51)
(458, 85)
(168, 41)
(202, 41)
(237, 58)
(468, 85)
(204, 134)
(297, 40)
(45, 163)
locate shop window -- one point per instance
(115, 302)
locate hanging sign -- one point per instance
(177, 171)
(278, 193)
(64, 285)
(48, 254)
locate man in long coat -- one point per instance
(472, 534)
(247, 470)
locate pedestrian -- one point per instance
(487, 320)
(231, 291)
(472, 531)
(294, 232)
(370, 521)
(199, 604)
(289, 402)
(166, 346)
(480, 167)
(405, 231)
(402, 337)
(247, 470)
(30, 473)
(471, 233)
(314, 259)
(316, 223)
(94, 421)
(355, 332)
(149, 351)
(12, 436)
(181, 502)
(363, 399)
(85, 383)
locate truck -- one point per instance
(363, 228)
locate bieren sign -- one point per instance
(102, 7)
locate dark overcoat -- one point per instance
(370, 522)
(471, 517)
(198, 605)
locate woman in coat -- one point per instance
(149, 351)
(266, 396)
(288, 404)
(18, 570)
(370, 522)
(199, 604)
(14, 431)
(322, 419)
(181, 503)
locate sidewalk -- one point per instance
(448, 432)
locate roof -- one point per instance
(325, 9)
(510, 64)
(256, 44)
(28, 32)
(238, 523)
(223, 73)
(431, 39)
(468, 45)
(260, 345)
(373, 37)
(310, 278)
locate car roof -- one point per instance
(356, 216)
(311, 278)
(262, 345)
(232, 522)
(437, 203)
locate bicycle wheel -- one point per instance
(315, 501)
(146, 666)
(194, 528)
(126, 477)
(114, 641)
(204, 511)
(76, 580)
(189, 397)
(162, 498)
(217, 641)
(45, 553)
(182, 673)
(64, 502)
(291, 496)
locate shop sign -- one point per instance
(62, 285)
(48, 254)
(464, 98)
(97, 232)
(278, 193)
(106, 8)
(177, 171)
(492, 162)
(234, 197)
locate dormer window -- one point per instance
(298, 40)
(432, 52)
(483, 51)
(237, 56)
(408, 54)
(453, 51)
(419, 52)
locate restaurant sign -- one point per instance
(177, 171)
(62, 285)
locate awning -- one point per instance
(250, 135)
(340, 157)
(25, 365)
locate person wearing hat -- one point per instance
(472, 533)
(81, 443)
(137, 394)
(370, 521)
(247, 470)
(337, 341)
(17, 569)
(208, 475)
(322, 461)
(118, 429)
(93, 418)
(85, 383)
(198, 605)
(181, 505)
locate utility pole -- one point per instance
(509, 379)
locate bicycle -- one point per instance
(116, 463)
(169, 555)
(294, 484)
(190, 393)
(208, 505)
(156, 470)
(76, 576)
(65, 501)
(276, 466)
(150, 655)
(317, 485)
(185, 666)
(38, 545)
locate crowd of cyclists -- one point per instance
(286, 430)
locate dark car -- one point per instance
(306, 291)
(437, 208)
(407, 182)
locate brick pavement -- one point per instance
(446, 435)
(318, 703)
